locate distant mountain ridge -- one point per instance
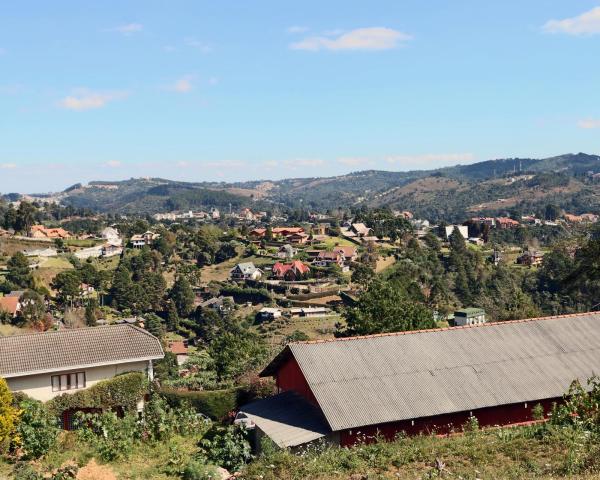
(448, 192)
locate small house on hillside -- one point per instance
(329, 258)
(45, 365)
(290, 272)
(504, 222)
(349, 252)
(531, 258)
(144, 239)
(360, 229)
(469, 316)
(268, 313)
(463, 230)
(180, 350)
(245, 271)
(287, 252)
(41, 232)
(11, 305)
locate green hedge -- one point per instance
(215, 404)
(122, 391)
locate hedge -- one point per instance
(121, 391)
(215, 404)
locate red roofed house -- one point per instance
(349, 252)
(295, 270)
(39, 231)
(505, 222)
(349, 390)
(180, 350)
(327, 258)
(11, 305)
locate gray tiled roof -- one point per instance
(22, 355)
(287, 419)
(384, 378)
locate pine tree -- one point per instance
(172, 317)
(182, 296)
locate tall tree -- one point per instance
(19, 274)
(182, 296)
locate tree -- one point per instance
(234, 353)
(385, 307)
(33, 312)
(121, 288)
(552, 212)
(68, 285)
(182, 296)
(362, 274)
(19, 273)
(172, 317)
(154, 325)
(90, 313)
(9, 416)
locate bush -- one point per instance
(112, 437)
(24, 471)
(162, 421)
(215, 404)
(38, 429)
(9, 417)
(226, 446)
(198, 471)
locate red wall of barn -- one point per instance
(443, 424)
(289, 377)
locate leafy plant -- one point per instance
(226, 446)
(38, 429)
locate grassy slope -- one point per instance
(518, 453)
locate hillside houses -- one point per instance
(144, 239)
(290, 272)
(43, 233)
(245, 271)
(328, 258)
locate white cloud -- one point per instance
(8, 166)
(355, 161)
(374, 38)
(303, 162)
(113, 164)
(84, 99)
(587, 23)
(183, 85)
(430, 159)
(297, 29)
(589, 123)
(129, 28)
(202, 46)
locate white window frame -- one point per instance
(68, 381)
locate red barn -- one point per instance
(344, 390)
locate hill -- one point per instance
(449, 193)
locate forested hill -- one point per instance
(450, 193)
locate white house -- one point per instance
(463, 229)
(245, 271)
(45, 365)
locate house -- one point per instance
(349, 253)
(489, 221)
(245, 271)
(531, 258)
(469, 316)
(290, 272)
(297, 238)
(110, 250)
(344, 391)
(180, 350)
(476, 241)
(144, 239)
(45, 365)
(463, 230)
(219, 304)
(327, 258)
(39, 231)
(269, 314)
(11, 305)
(257, 233)
(360, 229)
(309, 312)
(505, 222)
(287, 252)
(321, 228)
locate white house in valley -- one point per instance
(45, 365)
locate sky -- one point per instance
(246, 90)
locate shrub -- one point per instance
(112, 437)
(162, 421)
(226, 446)
(38, 429)
(9, 416)
(24, 471)
(198, 471)
(215, 404)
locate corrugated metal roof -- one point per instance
(287, 419)
(22, 355)
(383, 378)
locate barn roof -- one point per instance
(390, 377)
(287, 419)
(36, 353)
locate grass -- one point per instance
(516, 453)
(8, 330)
(331, 242)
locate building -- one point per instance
(290, 272)
(360, 229)
(11, 305)
(309, 312)
(476, 241)
(327, 258)
(347, 390)
(297, 238)
(144, 239)
(349, 252)
(41, 232)
(287, 252)
(531, 258)
(111, 235)
(245, 271)
(268, 313)
(469, 316)
(180, 350)
(220, 304)
(463, 229)
(505, 222)
(45, 365)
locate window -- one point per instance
(69, 381)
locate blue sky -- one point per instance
(198, 90)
